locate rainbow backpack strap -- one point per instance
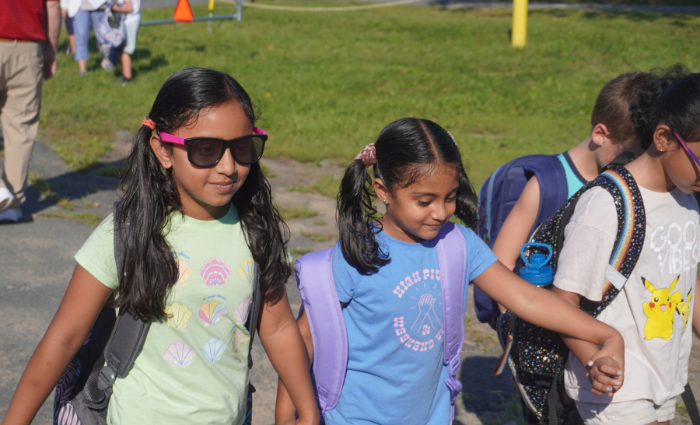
(631, 226)
(536, 356)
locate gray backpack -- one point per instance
(83, 392)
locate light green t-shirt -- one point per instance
(193, 368)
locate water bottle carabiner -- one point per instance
(537, 244)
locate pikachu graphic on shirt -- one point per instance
(683, 309)
(660, 310)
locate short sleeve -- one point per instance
(97, 254)
(480, 257)
(588, 242)
(344, 283)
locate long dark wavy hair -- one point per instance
(647, 97)
(151, 196)
(679, 107)
(407, 150)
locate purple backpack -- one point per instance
(314, 272)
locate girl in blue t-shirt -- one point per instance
(419, 177)
(195, 216)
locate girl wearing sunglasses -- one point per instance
(656, 305)
(195, 217)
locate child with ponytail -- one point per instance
(387, 276)
(196, 214)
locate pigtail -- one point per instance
(357, 223)
(142, 219)
(267, 234)
(405, 151)
(467, 201)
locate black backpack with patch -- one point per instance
(536, 356)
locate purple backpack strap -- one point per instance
(452, 256)
(314, 272)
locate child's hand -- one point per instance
(605, 374)
(605, 368)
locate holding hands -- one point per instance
(605, 373)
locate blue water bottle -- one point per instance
(537, 269)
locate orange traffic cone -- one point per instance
(183, 12)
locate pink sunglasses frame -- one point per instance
(169, 138)
(688, 151)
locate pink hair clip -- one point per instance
(149, 123)
(368, 155)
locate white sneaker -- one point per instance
(12, 215)
(6, 198)
(107, 65)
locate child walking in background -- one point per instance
(420, 178)
(132, 22)
(68, 10)
(655, 306)
(611, 134)
(196, 214)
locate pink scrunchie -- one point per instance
(368, 155)
(149, 123)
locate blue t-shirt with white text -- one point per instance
(394, 321)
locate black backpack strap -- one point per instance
(691, 405)
(128, 334)
(254, 315)
(622, 159)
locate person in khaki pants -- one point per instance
(28, 35)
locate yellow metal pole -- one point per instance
(211, 14)
(519, 31)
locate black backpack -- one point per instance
(83, 392)
(536, 356)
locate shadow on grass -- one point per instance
(154, 64)
(70, 187)
(491, 398)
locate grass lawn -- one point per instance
(326, 84)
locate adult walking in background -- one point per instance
(28, 36)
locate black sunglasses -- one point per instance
(206, 152)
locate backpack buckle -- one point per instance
(106, 378)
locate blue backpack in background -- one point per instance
(497, 196)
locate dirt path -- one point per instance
(36, 260)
